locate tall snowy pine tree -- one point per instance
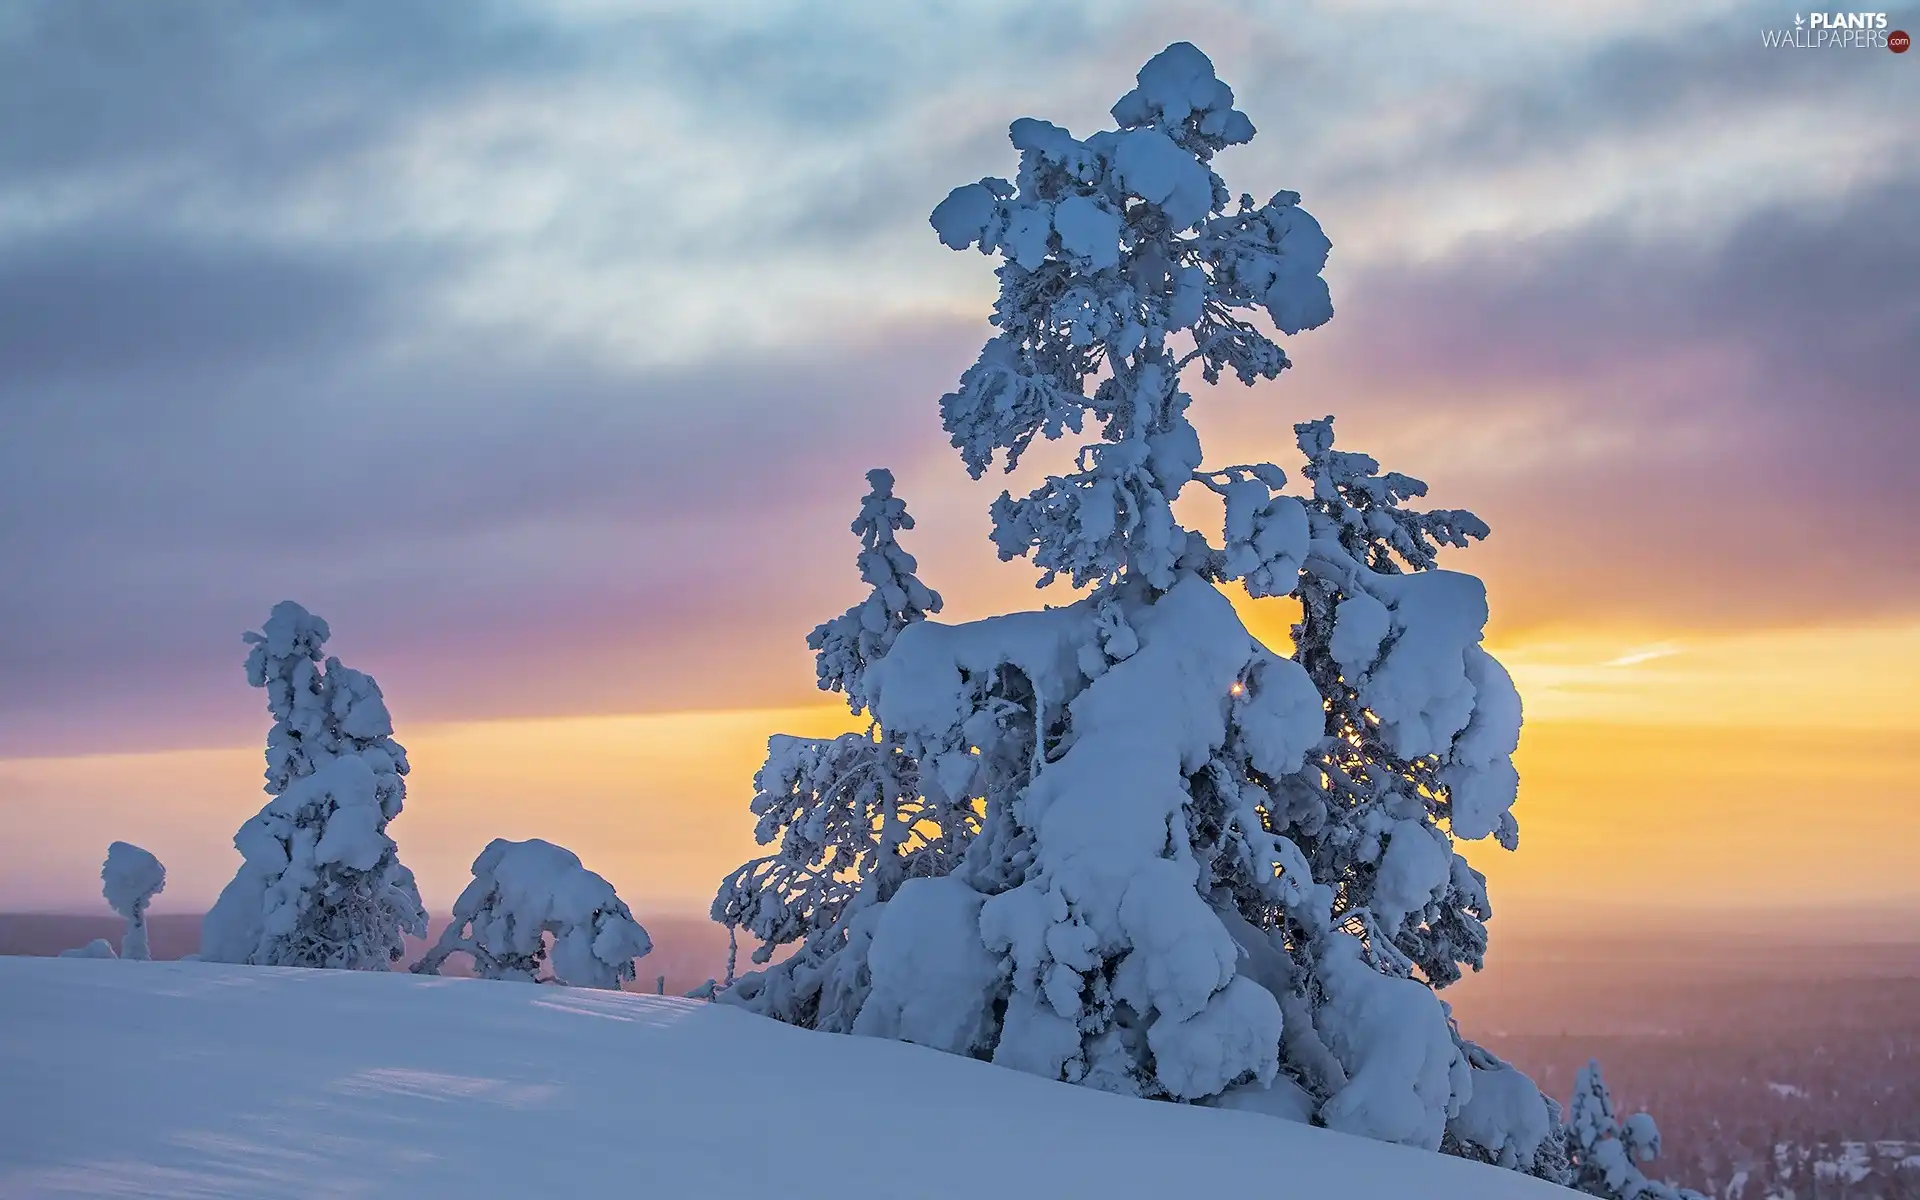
(1131, 846)
(322, 884)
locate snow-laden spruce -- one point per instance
(524, 893)
(130, 879)
(1120, 842)
(847, 816)
(322, 884)
(1606, 1153)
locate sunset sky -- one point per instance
(541, 348)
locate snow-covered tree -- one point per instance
(1606, 1153)
(847, 816)
(322, 884)
(130, 879)
(527, 894)
(1173, 862)
(844, 646)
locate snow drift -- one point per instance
(404, 1085)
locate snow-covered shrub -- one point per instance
(322, 884)
(524, 893)
(1605, 1153)
(1120, 842)
(130, 879)
(97, 948)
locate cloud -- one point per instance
(1696, 430)
(541, 348)
(266, 92)
(105, 303)
(1707, 73)
(534, 519)
(1644, 654)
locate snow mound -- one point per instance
(180, 1079)
(97, 948)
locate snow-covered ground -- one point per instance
(172, 1079)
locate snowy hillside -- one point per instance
(195, 1079)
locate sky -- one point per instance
(541, 349)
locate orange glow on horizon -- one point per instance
(1677, 771)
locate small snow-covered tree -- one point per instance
(130, 879)
(1174, 863)
(525, 894)
(322, 884)
(847, 816)
(1606, 1153)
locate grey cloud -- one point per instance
(1308, 100)
(251, 91)
(198, 113)
(432, 505)
(195, 427)
(356, 452)
(1824, 293)
(1477, 104)
(111, 300)
(1752, 393)
(1716, 70)
(849, 67)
